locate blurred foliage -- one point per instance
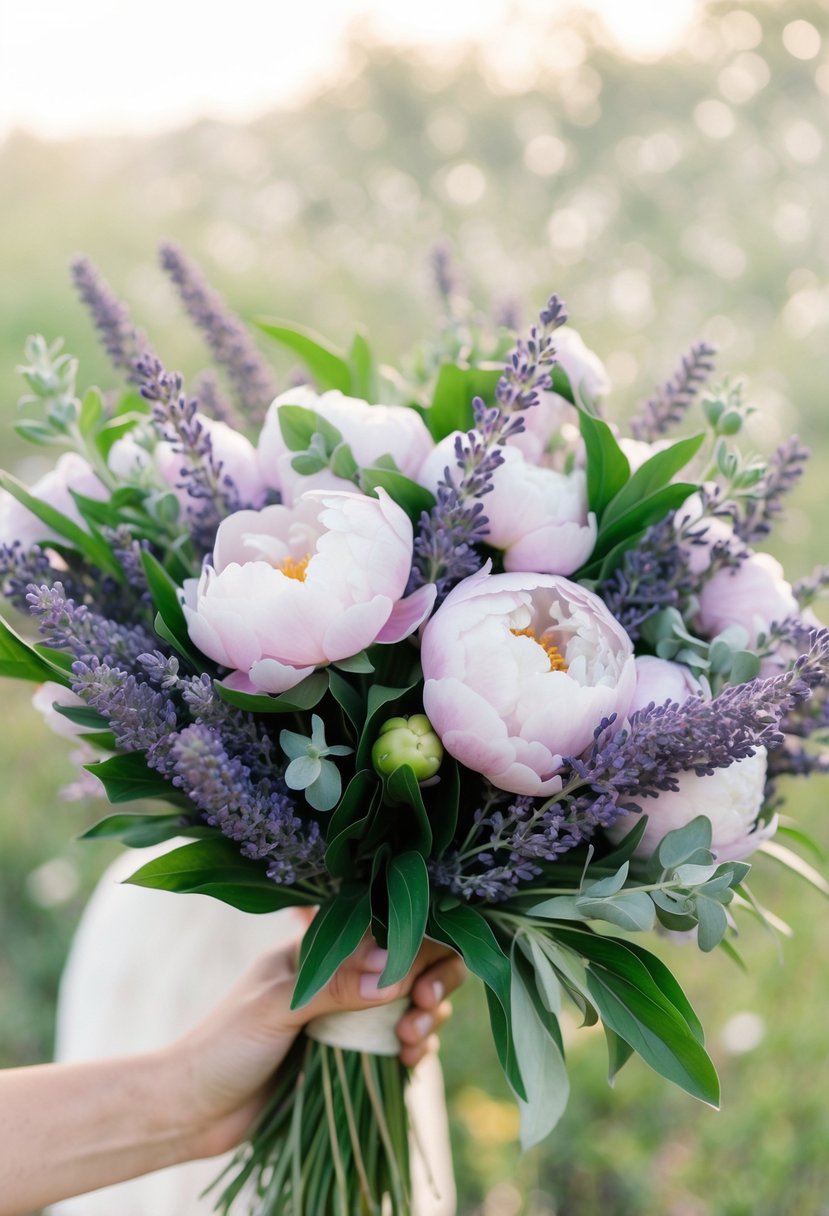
(665, 201)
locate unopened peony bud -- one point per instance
(407, 741)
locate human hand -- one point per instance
(220, 1072)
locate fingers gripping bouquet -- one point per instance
(467, 666)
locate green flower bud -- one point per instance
(407, 741)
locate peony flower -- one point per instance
(537, 516)
(71, 472)
(371, 431)
(520, 669)
(133, 461)
(660, 680)
(584, 369)
(731, 798)
(751, 595)
(294, 588)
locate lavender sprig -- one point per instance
(19, 568)
(122, 341)
(176, 418)
(87, 635)
(444, 547)
(227, 337)
(653, 576)
(764, 503)
(671, 402)
(141, 718)
(259, 815)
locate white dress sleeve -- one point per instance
(146, 965)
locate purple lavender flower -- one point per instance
(259, 815)
(232, 347)
(444, 547)
(122, 341)
(765, 502)
(141, 718)
(671, 402)
(19, 568)
(84, 633)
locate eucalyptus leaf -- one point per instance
(541, 1065)
(712, 921)
(680, 844)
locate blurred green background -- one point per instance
(665, 201)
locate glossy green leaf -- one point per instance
(607, 466)
(408, 889)
(215, 867)
(348, 698)
(402, 787)
(127, 778)
(643, 515)
(324, 361)
(618, 1054)
(651, 476)
(451, 407)
(334, 934)
(140, 831)
(414, 499)
(363, 369)
(302, 696)
(82, 715)
(87, 544)
(20, 661)
(347, 826)
(467, 931)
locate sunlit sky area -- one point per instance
(87, 67)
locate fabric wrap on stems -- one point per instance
(368, 1030)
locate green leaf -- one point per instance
(414, 499)
(607, 466)
(36, 432)
(363, 369)
(408, 887)
(541, 1065)
(87, 544)
(302, 696)
(215, 867)
(380, 699)
(618, 1054)
(20, 661)
(651, 476)
(139, 831)
(444, 804)
(607, 886)
(796, 864)
(466, 929)
(324, 361)
(712, 923)
(451, 407)
(349, 822)
(402, 787)
(335, 933)
(646, 512)
(299, 425)
(348, 698)
(92, 411)
(631, 910)
(679, 846)
(128, 778)
(82, 715)
(360, 664)
(546, 979)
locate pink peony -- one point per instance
(751, 595)
(71, 472)
(520, 669)
(731, 798)
(294, 588)
(537, 516)
(371, 431)
(659, 680)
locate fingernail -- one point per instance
(376, 959)
(439, 991)
(369, 987)
(423, 1024)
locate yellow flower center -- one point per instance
(552, 651)
(292, 568)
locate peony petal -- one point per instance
(269, 675)
(409, 614)
(355, 628)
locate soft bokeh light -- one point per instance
(86, 67)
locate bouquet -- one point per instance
(469, 665)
